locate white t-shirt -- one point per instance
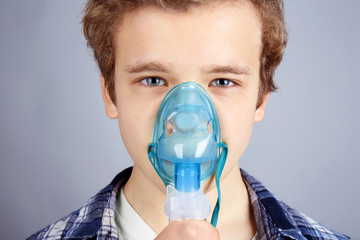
(130, 225)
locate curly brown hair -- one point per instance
(101, 17)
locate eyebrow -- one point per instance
(147, 67)
(152, 66)
(233, 69)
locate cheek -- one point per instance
(136, 123)
(236, 129)
(236, 121)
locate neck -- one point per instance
(146, 199)
(235, 217)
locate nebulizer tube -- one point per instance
(185, 151)
(186, 200)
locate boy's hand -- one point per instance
(189, 229)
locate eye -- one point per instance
(221, 83)
(153, 81)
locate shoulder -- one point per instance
(95, 218)
(310, 228)
(276, 220)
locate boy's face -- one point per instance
(217, 47)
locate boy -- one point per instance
(144, 49)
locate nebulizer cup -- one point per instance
(185, 150)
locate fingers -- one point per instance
(189, 229)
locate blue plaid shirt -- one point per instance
(274, 219)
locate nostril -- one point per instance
(210, 127)
(169, 128)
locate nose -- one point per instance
(189, 110)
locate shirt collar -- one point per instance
(271, 217)
(274, 219)
(97, 217)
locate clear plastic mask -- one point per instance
(185, 151)
(186, 137)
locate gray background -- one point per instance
(57, 148)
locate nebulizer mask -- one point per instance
(186, 151)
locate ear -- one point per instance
(260, 111)
(110, 107)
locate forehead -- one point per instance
(190, 11)
(220, 30)
(200, 14)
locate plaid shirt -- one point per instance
(274, 219)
